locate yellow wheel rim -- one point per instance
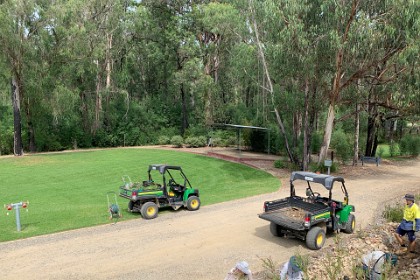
(353, 224)
(151, 211)
(194, 203)
(319, 240)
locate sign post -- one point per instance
(328, 163)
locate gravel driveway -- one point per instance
(203, 244)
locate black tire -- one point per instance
(193, 203)
(130, 206)
(350, 224)
(315, 238)
(275, 230)
(149, 210)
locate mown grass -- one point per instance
(69, 190)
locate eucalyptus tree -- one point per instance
(218, 27)
(365, 37)
(21, 26)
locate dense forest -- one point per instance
(319, 74)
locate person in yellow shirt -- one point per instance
(410, 223)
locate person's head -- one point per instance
(293, 265)
(409, 198)
(243, 267)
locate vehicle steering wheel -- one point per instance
(316, 194)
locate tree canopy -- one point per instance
(108, 73)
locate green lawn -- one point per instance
(68, 190)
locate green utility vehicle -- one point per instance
(311, 216)
(171, 189)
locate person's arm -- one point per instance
(284, 271)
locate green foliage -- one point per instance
(280, 164)
(63, 187)
(380, 152)
(270, 269)
(324, 169)
(177, 141)
(342, 145)
(163, 140)
(394, 149)
(393, 213)
(156, 87)
(195, 142)
(316, 142)
(410, 145)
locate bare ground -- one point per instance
(194, 245)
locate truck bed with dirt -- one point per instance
(290, 212)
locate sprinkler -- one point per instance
(17, 206)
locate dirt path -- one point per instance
(190, 245)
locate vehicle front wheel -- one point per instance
(350, 224)
(149, 210)
(275, 230)
(315, 238)
(193, 203)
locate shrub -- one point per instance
(316, 141)
(410, 145)
(342, 145)
(393, 149)
(381, 151)
(195, 142)
(280, 164)
(163, 140)
(177, 141)
(393, 213)
(217, 142)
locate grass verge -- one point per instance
(68, 190)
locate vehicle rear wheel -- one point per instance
(275, 230)
(149, 210)
(193, 203)
(350, 224)
(315, 238)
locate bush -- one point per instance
(342, 145)
(393, 149)
(164, 140)
(177, 141)
(195, 142)
(316, 142)
(410, 145)
(394, 213)
(280, 164)
(381, 151)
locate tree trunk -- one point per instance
(270, 89)
(329, 125)
(31, 130)
(98, 102)
(17, 124)
(184, 111)
(306, 133)
(208, 99)
(336, 87)
(356, 135)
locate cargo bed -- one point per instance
(290, 212)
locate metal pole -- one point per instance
(17, 216)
